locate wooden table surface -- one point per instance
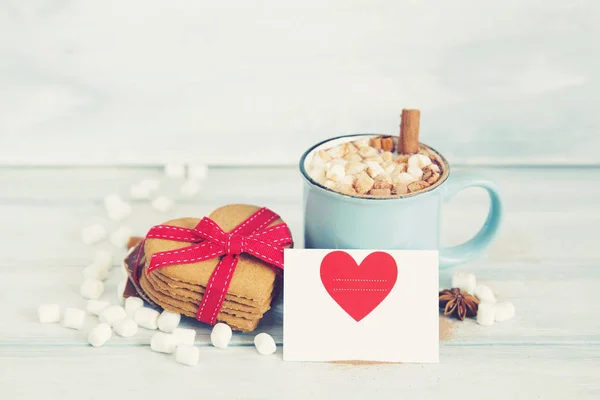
(545, 260)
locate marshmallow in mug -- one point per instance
(363, 167)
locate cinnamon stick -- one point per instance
(408, 141)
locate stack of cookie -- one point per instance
(180, 288)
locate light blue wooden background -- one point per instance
(238, 82)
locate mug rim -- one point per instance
(344, 196)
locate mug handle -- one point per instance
(471, 249)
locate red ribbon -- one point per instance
(210, 241)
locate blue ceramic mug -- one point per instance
(412, 222)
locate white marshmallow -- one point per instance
(389, 169)
(163, 342)
(116, 208)
(404, 178)
(120, 291)
(375, 170)
(146, 318)
(355, 168)
(175, 170)
(265, 344)
(317, 173)
(168, 321)
(188, 355)
(151, 185)
(92, 289)
(139, 192)
(197, 171)
(329, 184)
(73, 318)
(184, 336)
(93, 234)
(505, 310)
(221, 335)
(103, 258)
(486, 313)
(484, 294)
(416, 172)
(125, 327)
(190, 188)
(336, 173)
(464, 281)
(120, 237)
(132, 304)
(112, 314)
(96, 306)
(100, 335)
(337, 151)
(347, 180)
(162, 204)
(419, 161)
(332, 163)
(96, 272)
(49, 313)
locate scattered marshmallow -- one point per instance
(505, 310)
(221, 335)
(96, 272)
(146, 318)
(132, 304)
(120, 237)
(116, 208)
(464, 281)
(151, 185)
(175, 170)
(486, 313)
(112, 314)
(125, 327)
(139, 192)
(184, 336)
(163, 342)
(190, 188)
(100, 335)
(92, 289)
(93, 234)
(162, 204)
(197, 171)
(73, 318)
(103, 258)
(188, 355)
(265, 344)
(112, 200)
(168, 321)
(49, 313)
(96, 306)
(120, 291)
(484, 294)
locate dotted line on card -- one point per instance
(360, 280)
(363, 290)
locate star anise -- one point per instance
(458, 303)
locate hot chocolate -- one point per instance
(378, 166)
(370, 167)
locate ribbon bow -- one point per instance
(210, 241)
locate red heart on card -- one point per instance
(358, 289)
